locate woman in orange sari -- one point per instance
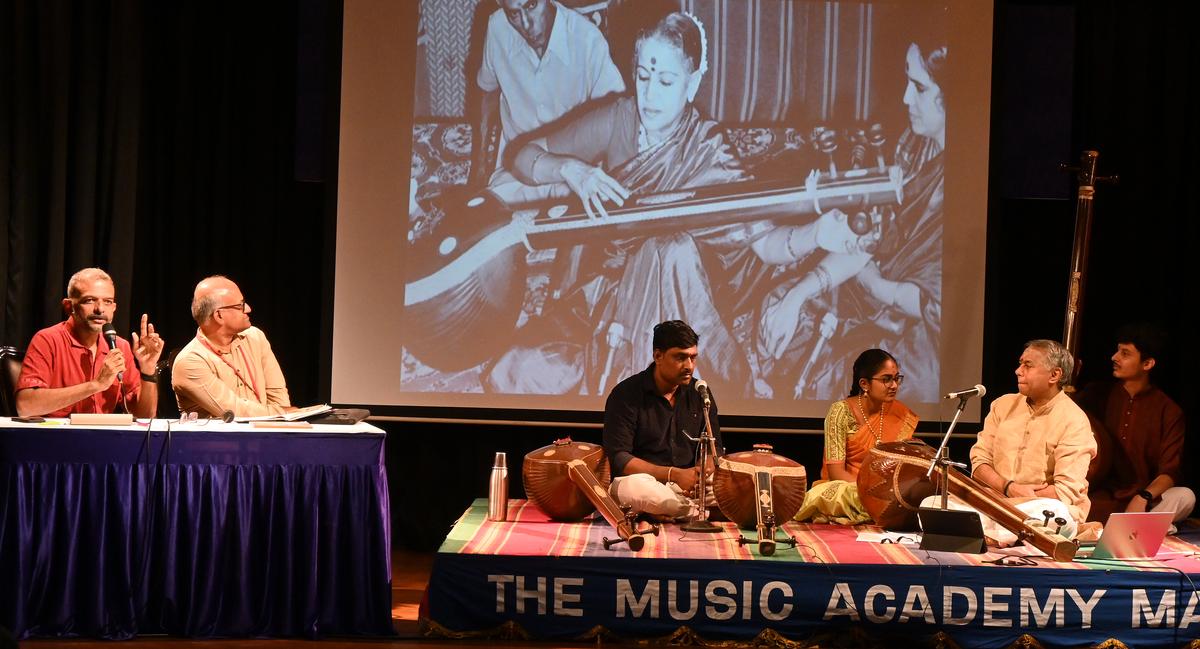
(871, 415)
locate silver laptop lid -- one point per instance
(1133, 535)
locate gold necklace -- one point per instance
(867, 422)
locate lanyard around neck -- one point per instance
(245, 361)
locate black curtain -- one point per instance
(168, 141)
(160, 141)
(69, 143)
(217, 191)
(1134, 66)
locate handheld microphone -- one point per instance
(110, 334)
(977, 391)
(702, 388)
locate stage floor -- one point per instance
(552, 580)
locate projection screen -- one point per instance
(815, 186)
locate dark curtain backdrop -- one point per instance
(163, 141)
(69, 139)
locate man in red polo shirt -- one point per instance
(69, 367)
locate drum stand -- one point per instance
(707, 447)
(630, 518)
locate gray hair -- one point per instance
(1056, 356)
(81, 279)
(203, 306)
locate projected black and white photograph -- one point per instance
(769, 172)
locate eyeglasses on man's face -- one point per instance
(888, 379)
(240, 306)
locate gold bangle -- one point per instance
(669, 473)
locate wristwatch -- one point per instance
(1145, 493)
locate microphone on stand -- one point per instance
(706, 451)
(110, 334)
(977, 391)
(705, 396)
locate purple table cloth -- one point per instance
(211, 531)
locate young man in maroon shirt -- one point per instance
(1145, 430)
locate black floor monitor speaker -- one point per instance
(951, 530)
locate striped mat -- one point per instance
(529, 532)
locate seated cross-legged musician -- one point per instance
(870, 415)
(229, 365)
(1036, 445)
(647, 420)
(70, 367)
(1145, 429)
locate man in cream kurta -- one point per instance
(229, 365)
(1036, 445)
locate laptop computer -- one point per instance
(1132, 535)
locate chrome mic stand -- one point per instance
(707, 447)
(942, 528)
(942, 460)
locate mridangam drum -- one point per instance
(548, 483)
(739, 496)
(568, 480)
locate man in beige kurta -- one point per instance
(229, 365)
(1038, 443)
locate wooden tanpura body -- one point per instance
(892, 483)
(546, 476)
(737, 492)
(569, 480)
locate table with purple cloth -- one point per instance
(205, 529)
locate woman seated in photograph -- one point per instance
(650, 142)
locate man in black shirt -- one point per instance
(647, 420)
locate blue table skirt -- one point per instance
(232, 534)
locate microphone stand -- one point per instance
(706, 444)
(941, 459)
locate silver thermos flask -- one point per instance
(498, 489)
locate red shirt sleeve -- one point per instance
(36, 368)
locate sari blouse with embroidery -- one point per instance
(848, 440)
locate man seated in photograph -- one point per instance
(540, 61)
